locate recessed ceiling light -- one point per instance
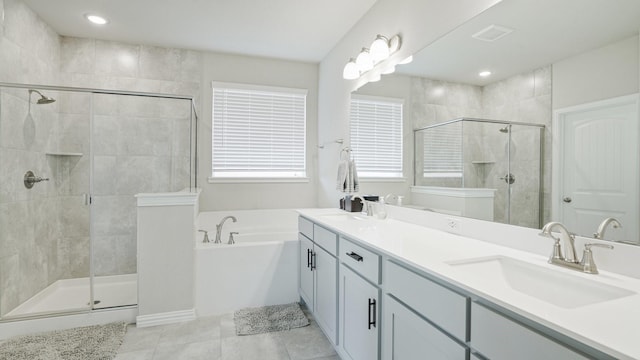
(96, 19)
(484, 73)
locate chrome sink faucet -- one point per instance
(570, 260)
(568, 240)
(219, 228)
(603, 226)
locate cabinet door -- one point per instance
(326, 291)
(409, 337)
(360, 302)
(306, 273)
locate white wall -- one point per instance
(258, 71)
(420, 22)
(603, 73)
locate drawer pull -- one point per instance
(372, 313)
(355, 256)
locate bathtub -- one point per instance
(260, 269)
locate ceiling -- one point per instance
(544, 32)
(302, 30)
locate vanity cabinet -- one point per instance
(408, 336)
(422, 319)
(359, 316)
(319, 274)
(497, 337)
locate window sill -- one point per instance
(245, 180)
(382, 179)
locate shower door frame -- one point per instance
(193, 179)
(510, 124)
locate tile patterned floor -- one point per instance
(214, 338)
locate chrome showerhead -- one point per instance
(43, 99)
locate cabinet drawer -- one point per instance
(498, 337)
(363, 261)
(444, 307)
(305, 227)
(326, 239)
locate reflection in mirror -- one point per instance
(480, 168)
(552, 59)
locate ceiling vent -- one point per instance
(492, 33)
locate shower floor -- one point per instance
(73, 294)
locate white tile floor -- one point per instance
(214, 338)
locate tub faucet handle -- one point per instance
(206, 236)
(231, 240)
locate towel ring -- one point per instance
(346, 150)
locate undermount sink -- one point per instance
(554, 287)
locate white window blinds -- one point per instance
(443, 151)
(376, 136)
(258, 131)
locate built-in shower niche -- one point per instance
(480, 168)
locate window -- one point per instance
(443, 151)
(258, 132)
(376, 136)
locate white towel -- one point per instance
(348, 177)
(343, 169)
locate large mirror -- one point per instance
(570, 67)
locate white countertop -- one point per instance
(611, 326)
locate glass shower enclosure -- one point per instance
(71, 161)
(495, 165)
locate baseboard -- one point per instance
(165, 318)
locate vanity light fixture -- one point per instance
(484, 73)
(351, 70)
(364, 60)
(369, 58)
(380, 49)
(96, 19)
(406, 61)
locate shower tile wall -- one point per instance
(140, 144)
(434, 101)
(521, 98)
(30, 224)
(44, 232)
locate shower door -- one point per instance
(141, 144)
(44, 212)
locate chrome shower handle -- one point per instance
(30, 178)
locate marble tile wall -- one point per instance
(45, 231)
(521, 98)
(140, 144)
(30, 222)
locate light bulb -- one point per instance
(364, 61)
(98, 20)
(379, 49)
(351, 71)
(484, 73)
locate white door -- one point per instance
(598, 167)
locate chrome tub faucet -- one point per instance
(219, 228)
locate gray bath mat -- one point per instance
(269, 318)
(99, 342)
